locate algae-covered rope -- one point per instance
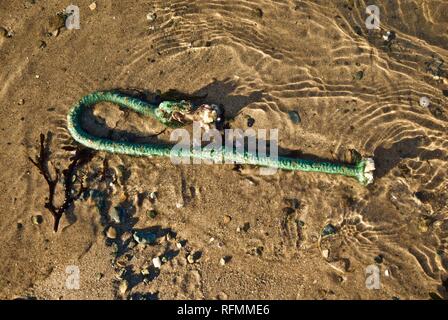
(172, 114)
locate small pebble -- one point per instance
(379, 259)
(328, 230)
(153, 196)
(37, 219)
(115, 214)
(37, 76)
(227, 219)
(424, 102)
(156, 262)
(144, 271)
(389, 36)
(359, 75)
(123, 287)
(21, 102)
(325, 253)
(151, 16)
(126, 236)
(250, 122)
(294, 116)
(92, 6)
(111, 233)
(224, 260)
(151, 213)
(190, 258)
(386, 272)
(179, 245)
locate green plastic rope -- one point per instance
(164, 113)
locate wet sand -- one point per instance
(284, 236)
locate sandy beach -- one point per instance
(145, 228)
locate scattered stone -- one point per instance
(193, 257)
(144, 237)
(126, 236)
(156, 262)
(227, 219)
(21, 102)
(37, 76)
(151, 16)
(250, 122)
(116, 213)
(328, 230)
(111, 233)
(151, 213)
(92, 6)
(387, 273)
(179, 245)
(359, 75)
(246, 227)
(37, 219)
(379, 259)
(190, 259)
(224, 260)
(123, 288)
(99, 276)
(168, 236)
(153, 196)
(325, 253)
(42, 44)
(294, 116)
(424, 102)
(389, 36)
(145, 271)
